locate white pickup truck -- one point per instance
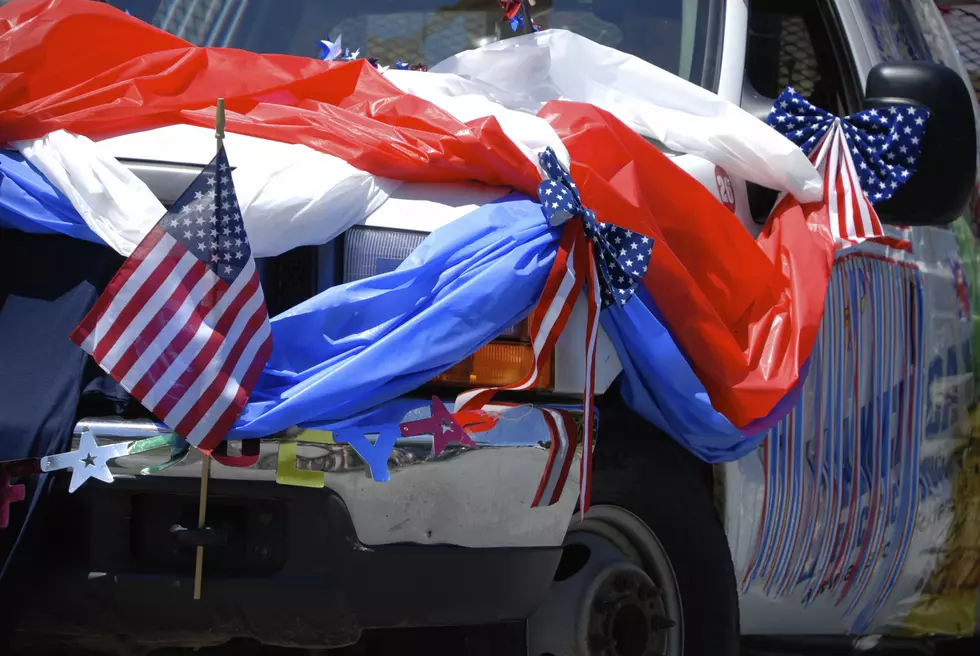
(856, 517)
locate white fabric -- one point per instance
(467, 100)
(525, 72)
(115, 204)
(303, 197)
(290, 195)
(427, 206)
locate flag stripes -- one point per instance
(183, 325)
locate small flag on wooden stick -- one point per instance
(183, 325)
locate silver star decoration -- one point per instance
(91, 460)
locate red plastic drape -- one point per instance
(743, 314)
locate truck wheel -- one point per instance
(648, 571)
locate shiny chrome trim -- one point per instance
(166, 180)
(469, 497)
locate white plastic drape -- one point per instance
(526, 72)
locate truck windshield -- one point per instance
(680, 36)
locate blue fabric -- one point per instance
(29, 203)
(339, 357)
(355, 346)
(658, 384)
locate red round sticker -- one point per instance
(726, 192)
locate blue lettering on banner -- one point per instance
(375, 454)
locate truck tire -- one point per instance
(652, 507)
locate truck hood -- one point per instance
(167, 158)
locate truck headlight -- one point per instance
(371, 251)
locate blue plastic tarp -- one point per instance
(28, 202)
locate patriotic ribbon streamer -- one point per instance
(608, 260)
(884, 144)
(622, 257)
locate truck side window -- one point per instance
(794, 43)
(789, 44)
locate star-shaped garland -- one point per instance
(332, 51)
(91, 460)
(9, 494)
(441, 425)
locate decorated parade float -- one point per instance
(413, 283)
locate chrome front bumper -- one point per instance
(482, 497)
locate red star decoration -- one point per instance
(442, 426)
(8, 494)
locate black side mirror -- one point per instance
(943, 183)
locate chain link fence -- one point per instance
(964, 26)
(797, 59)
(781, 53)
(417, 38)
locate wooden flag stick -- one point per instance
(202, 509)
(219, 123)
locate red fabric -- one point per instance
(90, 69)
(746, 328)
(746, 316)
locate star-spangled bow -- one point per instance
(605, 261)
(621, 256)
(885, 143)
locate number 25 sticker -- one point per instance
(726, 192)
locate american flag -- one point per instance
(864, 157)
(183, 325)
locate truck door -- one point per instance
(840, 520)
(909, 31)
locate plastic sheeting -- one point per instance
(113, 202)
(30, 203)
(290, 195)
(357, 345)
(727, 302)
(301, 197)
(147, 78)
(526, 72)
